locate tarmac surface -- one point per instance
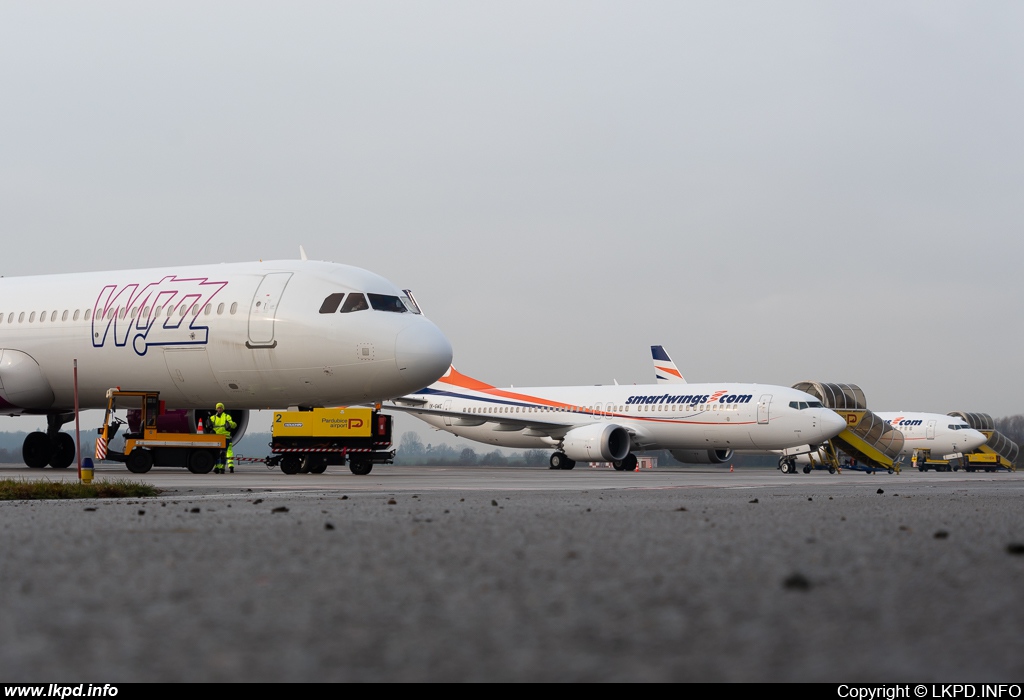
(514, 574)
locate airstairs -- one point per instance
(1000, 452)
(869, 442)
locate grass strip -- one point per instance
(26, 490)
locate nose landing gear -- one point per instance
(788, 465)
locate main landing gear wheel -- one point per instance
(291, 464)
(200, 461)
(560, 461)
(63, 451)
(139, 461)
(787, 466)
(360, 467)
(36, 450)
(628, 464)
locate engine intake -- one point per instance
(240, 416)
(703, 456)
(186, 420)
(597, 443)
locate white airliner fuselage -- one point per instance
(259, 335)
(700, 423)
(936, 434)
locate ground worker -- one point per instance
(223, 424)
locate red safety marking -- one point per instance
(344, 450)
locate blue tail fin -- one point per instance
(665, 370)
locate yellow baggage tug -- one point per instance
(302, 441)
(309, 441)
(153, 442)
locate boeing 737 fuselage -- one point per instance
(269, 334)
(927, 435)
(699, 423)
(934, 435)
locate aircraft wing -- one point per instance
(505, 422)
(640, 439)
(410, 402)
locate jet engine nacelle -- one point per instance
(599, 442)
(240, 416)
(22, 384)
(186, 421)
(703, 456)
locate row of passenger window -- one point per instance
(600, 409)
(356, 301)
(121, 311)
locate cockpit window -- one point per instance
(814, 404)
(331, 303)
(355, 302)
(410, 301)
(801, 405)
(384, 302)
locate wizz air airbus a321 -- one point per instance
(699, 423)
(259, 335)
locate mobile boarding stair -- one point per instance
(870, 443)
(1000, 452)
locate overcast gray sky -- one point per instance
(774, 191)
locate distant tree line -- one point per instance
(1013, 428)
(10, 447)
(412, 452)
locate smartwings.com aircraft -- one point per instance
(698, 423)
(926, 435)
(934, 435)
(258, 335)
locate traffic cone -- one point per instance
(730, 468)
(199, 428)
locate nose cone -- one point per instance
(422, 354)
(973, 440)
(831, 424)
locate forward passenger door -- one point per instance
(763, 408)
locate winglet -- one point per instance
(455, 378)
(302, 253)
(665, 370)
